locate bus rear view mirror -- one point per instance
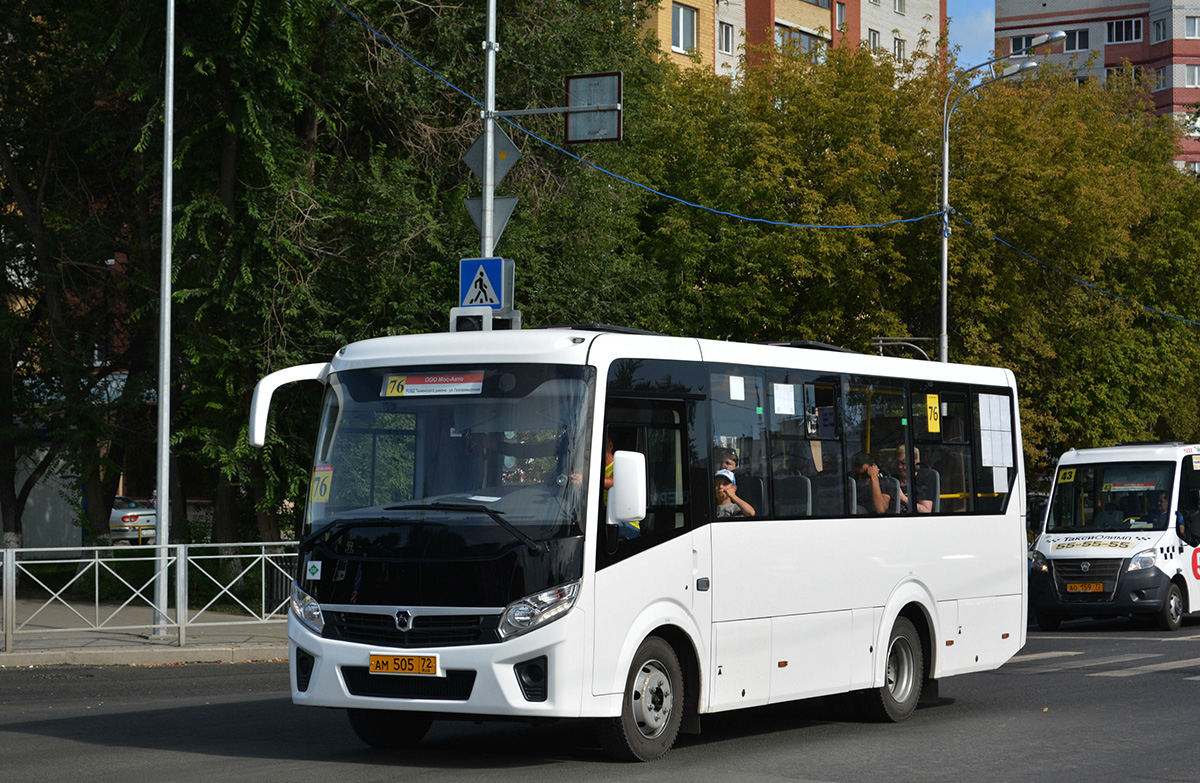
(627, 498)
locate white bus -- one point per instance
(464, 556)
(1119, 536)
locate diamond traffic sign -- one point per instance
(507, 155)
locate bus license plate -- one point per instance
(1085, 587)
(422, 665)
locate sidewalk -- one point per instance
(55, 637)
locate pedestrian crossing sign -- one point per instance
(482, 283)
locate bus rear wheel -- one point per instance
(903, 677)
(389, 728)
(651, 706)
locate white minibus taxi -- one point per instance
(1120, 535)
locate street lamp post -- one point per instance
(948, 110)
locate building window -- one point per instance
(898, 48)
(1077, 41)
(822, 3)
(841, 14)
(1160, 79)
(899, 6)
(683, 28)
(1192, 27)
(1125, 31)
(873, 39)
(1193, 76)
(1158, 30)
(789, 36)
(724, 38)
(1134, 73)
(1020, 42)
(1193, 166)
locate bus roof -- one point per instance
(1171, 451)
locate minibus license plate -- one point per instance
(1085, 587)
(424, 665)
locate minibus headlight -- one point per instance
(306, 609)
(1142, 560)
(1039, 562)
(536, 610)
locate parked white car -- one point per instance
(131, 522)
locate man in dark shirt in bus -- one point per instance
(871, 499)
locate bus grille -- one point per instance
(1071, 572)
(427, 630)
(455, 686)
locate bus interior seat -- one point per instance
(793, 496)
(829, 495)
(751, 489)
(890, 486)
(933, 480)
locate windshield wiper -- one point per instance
(536, 547)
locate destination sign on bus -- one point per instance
(431, 384)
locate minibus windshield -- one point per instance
(1111, 497)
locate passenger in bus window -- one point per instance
(922, 492)
(871, 498)
(728, 503)
(727, 459)
(608, 468)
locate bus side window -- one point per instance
(1189, 498)
(942, 446)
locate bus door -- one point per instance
(1188, 504)
(658, 573)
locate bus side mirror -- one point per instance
(1189, 522)
(627, 498)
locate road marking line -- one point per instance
(1153, 667)
(1045, 669)
(1043, 655)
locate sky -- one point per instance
(972, 27)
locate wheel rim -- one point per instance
(901, 670)
(652, 699)
(1175, 603)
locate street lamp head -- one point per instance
(1020, 68)
(1048, 38)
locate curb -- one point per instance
(160, 656)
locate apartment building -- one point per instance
(1159, 38)
(718, 30)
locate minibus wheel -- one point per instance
(1170, 617)
(389, 728)
(651, 706)
(903, 677)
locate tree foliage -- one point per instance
(319, 200)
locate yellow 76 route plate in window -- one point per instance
(422, 665)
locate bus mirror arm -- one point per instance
(260, 405)
(627, 498)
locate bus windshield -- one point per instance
(1111, 497)
(489, 456)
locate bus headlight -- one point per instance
(307, 610)
(536, 610)
(1142, 560)
(1038, 562)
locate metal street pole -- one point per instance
(163, 498)
(488, 240)
(947, 112)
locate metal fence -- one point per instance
(76, 590)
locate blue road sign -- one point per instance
(481, 283)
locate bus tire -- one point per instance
(903, 676)
(1170, 617)
(651, 706)
(389, 728)
(1048, 622)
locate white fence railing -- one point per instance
(89, 589)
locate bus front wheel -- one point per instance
(651, 706)
(389, 728)
(901, 691)
(1170, 617)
